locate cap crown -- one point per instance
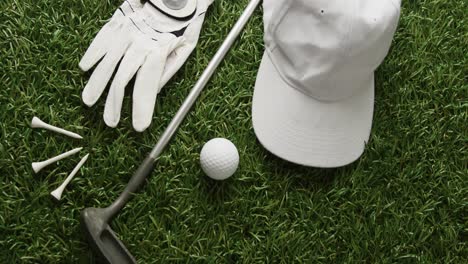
(329, 49)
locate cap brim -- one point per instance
(305, 131)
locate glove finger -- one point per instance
(102, 74)
(130, 6)
(146, 90)
(98, 48)
(132, 60)
(182, 51)
(174, 62)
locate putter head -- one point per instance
(95, 223)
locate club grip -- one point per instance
(137, 180)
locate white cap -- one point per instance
(314, 96)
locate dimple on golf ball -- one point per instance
(219, 158)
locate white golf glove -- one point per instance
(148, 43)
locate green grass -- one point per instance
(404, 201)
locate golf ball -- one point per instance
(219, 158)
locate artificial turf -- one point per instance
(404, 201)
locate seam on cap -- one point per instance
(394, 29)
(346, 46)
(344, 54)
(281, 15)
(271, 57)
(395, 5)
(270, 49)
(302, 90)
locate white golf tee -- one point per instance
(38, 123)
(38, 166)
(57, 193)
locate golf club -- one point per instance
(96, 221)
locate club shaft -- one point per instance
(201, 83)
(145, 169)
